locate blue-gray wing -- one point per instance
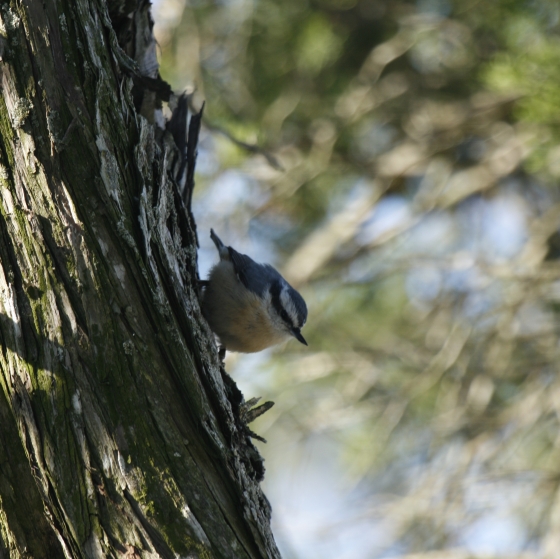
(255, 277)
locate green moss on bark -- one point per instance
(116, 404)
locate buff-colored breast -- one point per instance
(237, 316)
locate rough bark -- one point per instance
(118, 435)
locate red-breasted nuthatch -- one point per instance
(250, 306)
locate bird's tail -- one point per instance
(222, 249)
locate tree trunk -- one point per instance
(118, 435)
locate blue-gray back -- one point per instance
(254, 276)
(260, 278)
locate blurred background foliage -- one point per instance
(399, 162)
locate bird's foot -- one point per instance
(222, 354)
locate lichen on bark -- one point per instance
(118, 435)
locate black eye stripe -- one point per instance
(275, 290)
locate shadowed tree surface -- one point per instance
(417, 208)
(117, 434)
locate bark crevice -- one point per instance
(112, 393)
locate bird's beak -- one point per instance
(297, 335)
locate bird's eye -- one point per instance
(284, 316)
